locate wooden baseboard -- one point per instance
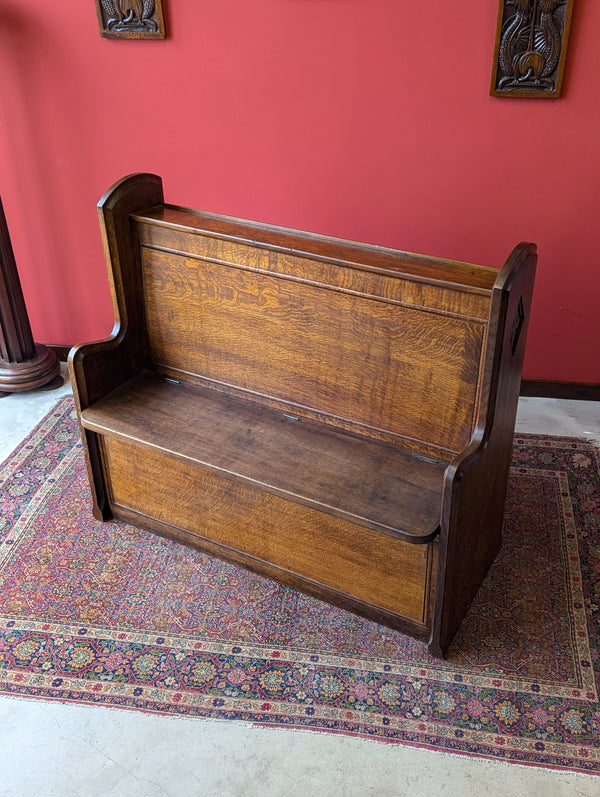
(581, 391)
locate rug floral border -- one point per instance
(418, 701)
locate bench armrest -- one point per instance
(475, 481)
(98, 368)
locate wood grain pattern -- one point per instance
(476, 482)
(454, 288)
(334, 415)
(268, 335)
(98, 368)
(299, 540)
(260, 236)
(24, 365)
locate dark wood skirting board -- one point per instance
(62, 352)
(581, 391)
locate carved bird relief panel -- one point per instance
(531, 45)
(131, 19)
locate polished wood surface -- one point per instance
(283, 538)
(266, 238)
(531, 48)
(476, 481)
(567, 391)
(279, 330)
(334, 415)
(24, 364)
(371, 483)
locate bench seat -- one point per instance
(378, 485)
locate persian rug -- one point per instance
(110, 615)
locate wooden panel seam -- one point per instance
(359, 520)
(358, 264)
(265, 564)
(335, 288)
(337, 421)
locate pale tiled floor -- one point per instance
(53, 750)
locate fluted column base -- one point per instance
(41, 371)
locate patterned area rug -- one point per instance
(110, 615)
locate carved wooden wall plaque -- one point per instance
(531, 46)
(131, 19)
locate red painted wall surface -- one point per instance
(366, 119)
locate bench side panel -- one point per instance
(99, 367)
(476, 482)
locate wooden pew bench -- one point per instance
(336, 416)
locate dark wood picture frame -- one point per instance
(131, 19)
(531, 47)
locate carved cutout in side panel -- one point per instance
(131, 19)
(531, 46)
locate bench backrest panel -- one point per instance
(365, 348)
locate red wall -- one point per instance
(366, 119)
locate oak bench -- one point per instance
(334, 415)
